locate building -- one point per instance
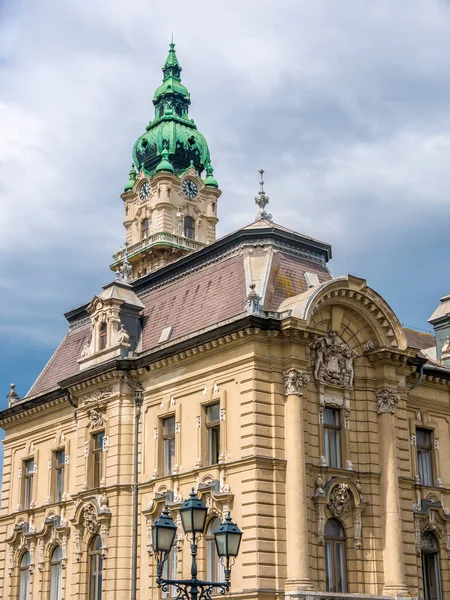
(242, 367)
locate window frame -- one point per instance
(24, 574)
(59, 474)
(144, 228)
(56, 566)
(425, 451)
(95, 558)
(429, 555)
(168, 440)
(28, 482)
(97, 461)
(335, 546)
(103, 335)
(212, 427)
(332, 437)
(189, 228)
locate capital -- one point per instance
(294, 380)
(387, 400)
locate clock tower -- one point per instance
(171, 197)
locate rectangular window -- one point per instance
(332, 435)
(97, 453)
(213, 433)
(170, 572)
(424, 456)
(28, 473)
(59, 461)
(168, 426)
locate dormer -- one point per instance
(115, 324)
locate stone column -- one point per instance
(296, 499)
(393, 558)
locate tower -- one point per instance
(171, 197)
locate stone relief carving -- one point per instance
(122, 336)
(339, 500)
(77, 544)
(321, 521)
(96, 418)
(294, 380)
(90, 522)
(87, 350)
(387, 400)
(332, 360)
(358, 527)
(97, 395)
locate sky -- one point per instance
(344, 104)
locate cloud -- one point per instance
(345, 104)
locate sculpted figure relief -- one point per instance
(294, 380)
(332, 360)
(339, 500)
(90, 519)
(96, 418)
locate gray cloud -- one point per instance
(344, 103)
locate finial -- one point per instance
(262, 200)
(132, 178)
(126, 268)
(12, 395)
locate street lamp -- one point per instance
(193, 518)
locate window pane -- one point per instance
(169, 455)
(169, 425)
(60, 458)
(29, 467)
(425, 467)
(213, 445)
(329, 566)
(331, 417)
(213, 412)
(423, 438)
(340, 567)
(335, 448)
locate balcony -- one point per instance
(159, 239)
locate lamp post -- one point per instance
(193, 518)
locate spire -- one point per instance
(262, 200)
(210, 179)
(172, 67)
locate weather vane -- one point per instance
(262, 200)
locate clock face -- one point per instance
(144, 191)
(189, 188)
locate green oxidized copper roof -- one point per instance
(171, 129)
(132, 180)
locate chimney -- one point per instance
(440, 320)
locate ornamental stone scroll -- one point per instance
(387, 400)
(294, 382)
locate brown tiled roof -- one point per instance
(419, 339)
(287, 278)
(201, 299)
(63, 363)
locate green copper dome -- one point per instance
(171, 129)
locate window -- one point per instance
(214, 568)
(28, 469)
(430, 567)
(332, 435)
(97, 453)
(95, 569)
(24, 577)
(424, 459)
(56, 574)
(335, 566)
(103, 336)
(168, 426)
(60, 459)
(189, 228)
(213, 433)
(170, 572)
(144, 228)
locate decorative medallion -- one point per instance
(339, 500)
(332, 360)
(387, 400)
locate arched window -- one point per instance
(24, 577)
(95, 569)
(335, 565)
(56, 574)
(103, 335)
(430, 567)
(189, 228)
(214, 568)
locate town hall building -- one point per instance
(242, 368)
